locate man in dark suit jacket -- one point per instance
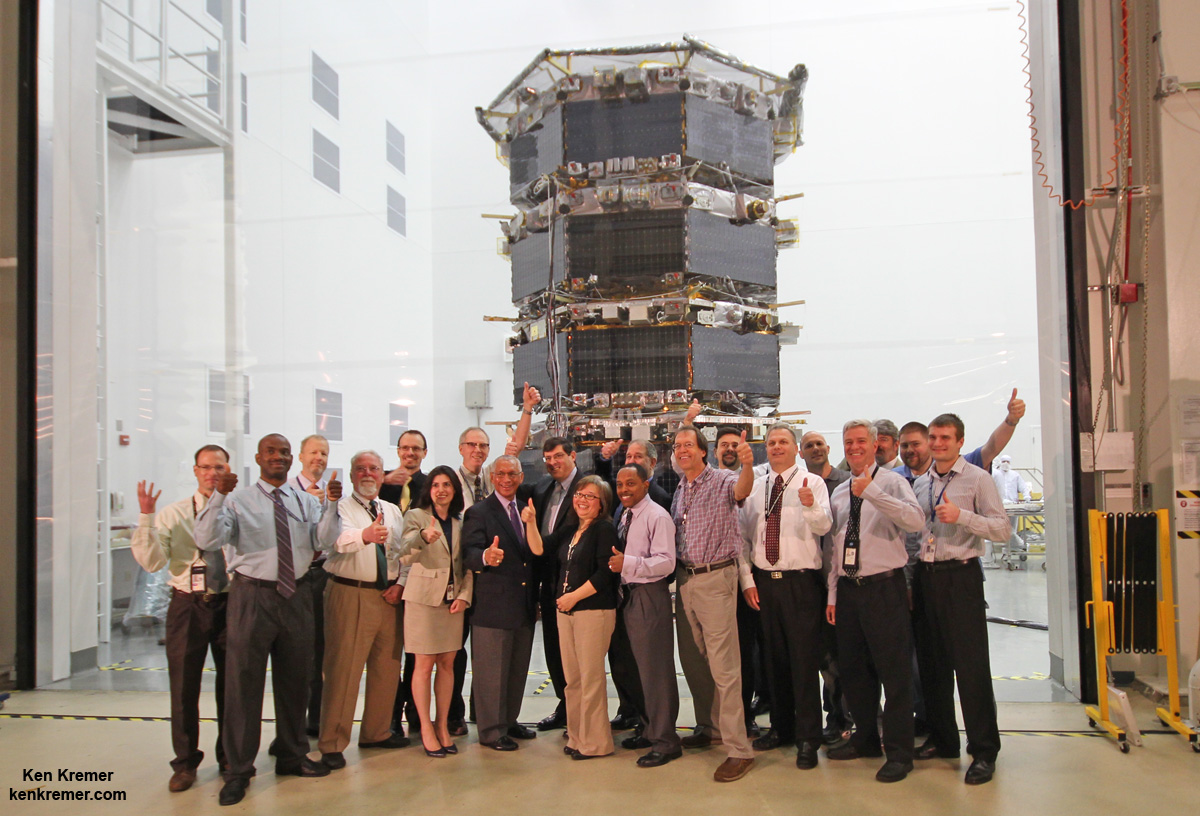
(504, 607)
(402, 487)
(553, 499)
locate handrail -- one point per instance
(167, 55)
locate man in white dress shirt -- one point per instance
(363, 625)
(196, 616)
(782, 522)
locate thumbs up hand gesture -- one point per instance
(376, 533)
(529, 513)
(617, 562)
(806, 494)
(493, 555)
(745, 452)
(860, 483)
(947, 512)
(1016, 409)
(333, 491)
(432, 532)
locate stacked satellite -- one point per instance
(644, 246)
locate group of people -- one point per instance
(838, 574)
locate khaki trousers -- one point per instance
(710, 603)
(361, 629)
(584, 638)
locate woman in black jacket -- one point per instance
(586, 595)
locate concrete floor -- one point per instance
(1051, 760)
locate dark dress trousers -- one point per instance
(505, 606)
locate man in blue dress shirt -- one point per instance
(270, 531)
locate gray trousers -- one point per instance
(500, 665)
(259, 624)
(647, 614)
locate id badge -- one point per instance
(199, 577)
(450, 592)
(850, 557)
(927, 551)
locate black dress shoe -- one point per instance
(850, 751)
(505, 743)
(700, 740)
(636, 743)
(233, 791)
(519, 731)
(569, 751)
(458, 728)
(980, 772)
(450, 749)
(833, 735)
(771, 740)
(893, 771)
(655, 758)
(754, 730)
(334, 760)
(394, 741)
(929, 749)
(806, 756)
(440, 753)
(555, 720)
(306, 768)
(581, 755)
(620, 723)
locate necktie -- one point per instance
(216, 576)
(286, 580)
(381, 576)
(477, 491)
(626, 520)
(850, 548)
(551, 515)
(405, 497)
(515, 519)
(774, 511)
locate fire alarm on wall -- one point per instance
(123, 440)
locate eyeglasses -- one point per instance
(476, 445)
(683, 446)
(586, 497)
(410, 449)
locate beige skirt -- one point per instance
(432, 629)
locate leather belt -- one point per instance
(873, 578)
(204, 597)
(259, 582)
(713, 567)
(350, 582)
(942, 566)
(780, 574)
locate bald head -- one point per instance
(274, 458)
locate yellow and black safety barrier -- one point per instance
(1132, 610)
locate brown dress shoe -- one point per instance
(182, 780)
(732, 769)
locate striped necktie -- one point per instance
(286, 582)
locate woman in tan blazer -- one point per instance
(437, 591)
